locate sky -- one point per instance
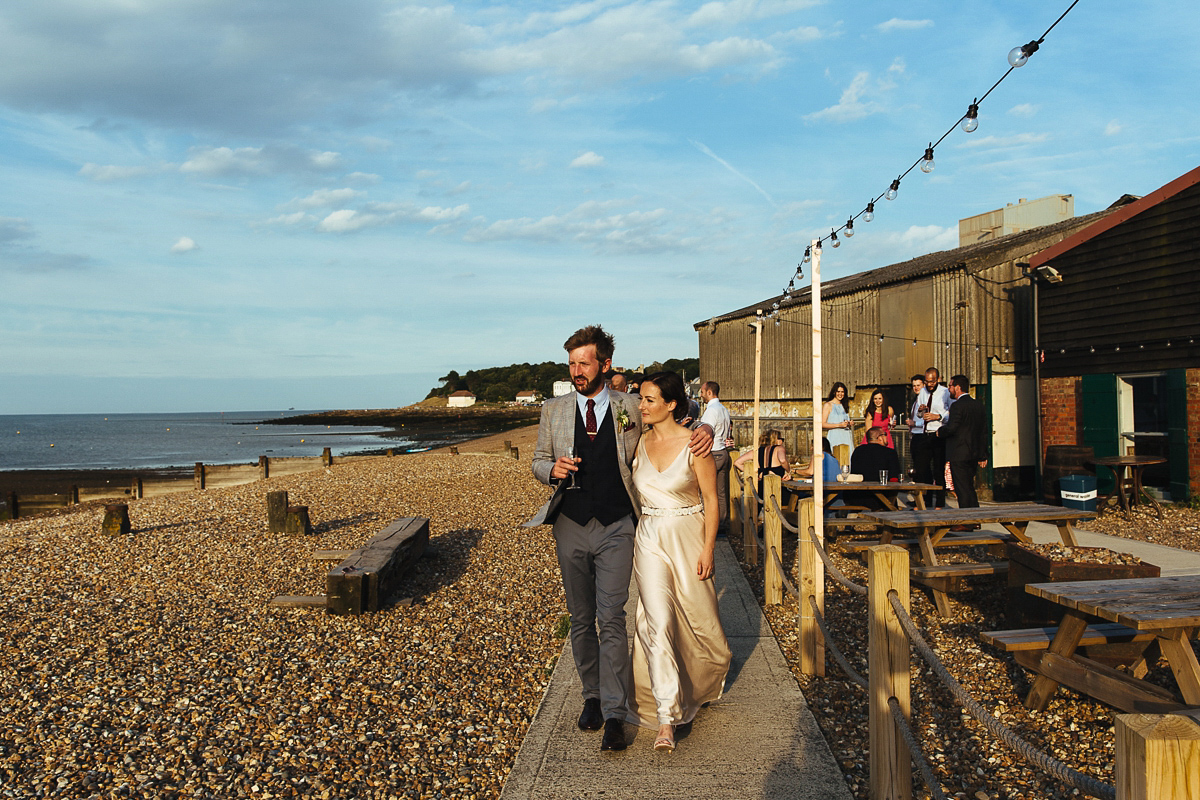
(220, 205)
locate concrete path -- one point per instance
(759, 741)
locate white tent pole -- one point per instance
(818, 392)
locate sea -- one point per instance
(143, 441)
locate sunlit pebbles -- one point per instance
(151, 665)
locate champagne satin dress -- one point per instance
(680, 654)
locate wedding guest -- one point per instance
(835, 420)
(930, 411)
(680, 654)
(879, 415)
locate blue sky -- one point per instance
(222, 205)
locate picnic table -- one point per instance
(887, 493)
(933, 530)
(1163, 610)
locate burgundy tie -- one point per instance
(589, 423)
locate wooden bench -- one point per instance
(365, 580)
(1039, 638)
(950, 540)
(945, 577)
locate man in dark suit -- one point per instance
(594, 521)
(966, 438)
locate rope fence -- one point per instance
(894, 747)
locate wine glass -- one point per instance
(572, 454)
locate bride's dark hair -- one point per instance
(670, 386)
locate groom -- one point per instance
(594, 524)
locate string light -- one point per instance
(927, 160)
(1018, 56)
(971, 121)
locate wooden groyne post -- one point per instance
(277, 507)
(116, 519)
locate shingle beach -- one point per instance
(151, 665)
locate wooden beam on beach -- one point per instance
(299, 601)
(332, 555)
(366, 579)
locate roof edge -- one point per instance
(1185, 181)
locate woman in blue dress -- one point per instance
(836, 422)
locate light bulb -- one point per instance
(807, 254)
(777, 321)
(1019, 55)
(893, 189)
(775, 306)
(833, 239)
(914, 342)
(869, 214)
(847, 334)
(849, 227)
(971, 121)
(927, 161)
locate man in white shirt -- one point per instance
(717, 417)
(930, 411)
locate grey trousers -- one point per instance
(596, 562)
(722, 462)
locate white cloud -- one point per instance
(327, 197)
(258, 161)
(381, 214)
(588, 159)
(1112, 128)
(185, 245)
(593, 225)
(363, 177)
(897, 24)
(105, 174)
(1023, 110)
(1004, 142)
(736, 11)
(290, 219)
(856, 101)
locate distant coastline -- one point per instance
(429, 422)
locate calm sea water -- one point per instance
(134, 441)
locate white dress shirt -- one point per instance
(716, 416)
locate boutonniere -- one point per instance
(622, 419)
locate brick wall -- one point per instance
(1062, 411)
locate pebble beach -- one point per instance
(152, 665)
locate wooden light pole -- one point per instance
(818, 432)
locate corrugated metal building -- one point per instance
(968, 310)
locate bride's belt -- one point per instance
(672, 512)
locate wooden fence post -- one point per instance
(198, 475)
(772, 540)
(735, 499)
(116, 519)
(750, 521)
(297, 521)
(11, 501)
(277, 506)
(516, 452)
(811, 584)
(137, 490)
(887, 672)
(327, 457)
(508, 446)
(264, 468)
(1158, 757)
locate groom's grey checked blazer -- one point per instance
(556, 432)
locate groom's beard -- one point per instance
(591, 387)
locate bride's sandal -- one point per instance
(665, 741)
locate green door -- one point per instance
(1100, 425)
(1177, 438)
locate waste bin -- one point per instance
(1078, 492)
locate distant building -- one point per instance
(461, 399)
(1023, 216)
(528, 397)
(563, 387)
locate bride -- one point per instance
(680, 655)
